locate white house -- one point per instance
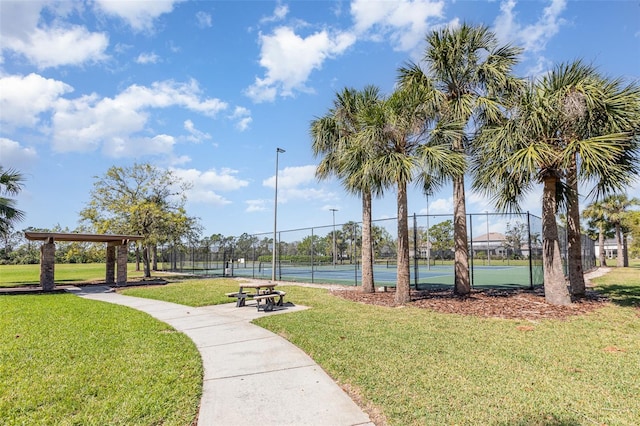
(610, 249)
(493, 242)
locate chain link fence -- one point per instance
(504, 250)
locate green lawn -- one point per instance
(65, 273)
(191, 292)
(424, 368)
(414, 366)
(70, 361)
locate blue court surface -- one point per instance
(386, 275)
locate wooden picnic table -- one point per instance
(263, 291)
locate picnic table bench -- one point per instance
(270, 300)
(263, 292)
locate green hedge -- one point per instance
(296, 259)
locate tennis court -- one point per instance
(504, 250)
(385, 274)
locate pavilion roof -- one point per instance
(65, 236)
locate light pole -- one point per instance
(275, 221)
(333, 212)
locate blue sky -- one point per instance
(210, 89)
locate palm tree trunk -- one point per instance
(403, 294)
(462, 284)
(603, 257)
(574, 243)
(619, 257)
(367, 247)
(555, 289)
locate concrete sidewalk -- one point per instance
(250, 374)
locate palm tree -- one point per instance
(585, 106)
(471, 72)
(335, 138)
(530, 147)
(615, 208)
(409, 148)
(596, 215)
(11, 182)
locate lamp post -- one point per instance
(333, 211)
(275, 220)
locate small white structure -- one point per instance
(492, 243)
(610, 249)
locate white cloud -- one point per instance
(541, 67)
(122, 48)
(533, 37)
(243, 118)
(293, 184)
(82, 124)
(279, 13)
(312, 194)
(207, 184)
(24, 98)
(533, 201)
(203, 19)
(220, 180)
(403, 22)
(178, 160)
(53, 47)
(243, 123)
(119, 124)
(256, 205)
(147, 58)
(439, 206)
(477, 202)
(140, 15)
(292, 177)
(18, 18)
(119, 147)
(24, 31)
(195, 134)
(15, 155)
(289, 60)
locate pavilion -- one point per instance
(117, 253)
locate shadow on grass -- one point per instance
(622, 286)
(620, 294)
(543, 420)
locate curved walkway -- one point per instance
(251, 375)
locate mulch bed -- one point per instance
(489, 303)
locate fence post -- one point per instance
(279, 256)
(253, 262)
(311, 255)
(530, 252)
(471, 249)
(231, 261)
(415, 251)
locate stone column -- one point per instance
(123, 252)
(111, 264)
(47, 264)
